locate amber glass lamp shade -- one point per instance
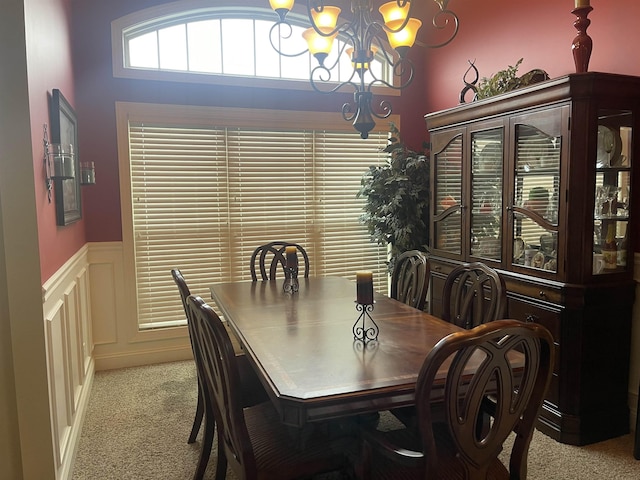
(391, 11)
(282, 4)
(406, 37)
(327, 19)
(319, 45)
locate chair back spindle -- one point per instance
(270, 258)
(410, 279)
(473, 294)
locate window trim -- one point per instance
(180, 12)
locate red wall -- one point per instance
(50, 66)
(496, 33)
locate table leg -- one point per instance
(636, 442)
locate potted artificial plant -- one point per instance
(396, 212)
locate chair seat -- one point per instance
(449, 468)
(281, 455)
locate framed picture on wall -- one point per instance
(64, 131)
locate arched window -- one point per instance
(212, 43)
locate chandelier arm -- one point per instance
(349, 115)
(385, 106)
(400, 68)
(280, 36)
(444, 13)
(316, 82)
(380, 43)
(347, 110)
(363, 117)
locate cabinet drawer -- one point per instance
(536, 291)
(526, 311)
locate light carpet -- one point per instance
(138, 421)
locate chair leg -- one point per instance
(207, 443)
(636, 442)
(197, 421)
(221, 464)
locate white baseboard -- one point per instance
(131, 358)
(67, 468)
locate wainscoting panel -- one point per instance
(67, 317)
(104, 303)
(58, 378)
(117, 341)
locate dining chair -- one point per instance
(266, 259)
(410, 278)
(183, 288)
(473, 293)
(252, 441)
(253, 390)
(509, 383)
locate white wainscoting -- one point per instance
(89, 313)
(69, 344)
(117, 341)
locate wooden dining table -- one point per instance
(303, 349)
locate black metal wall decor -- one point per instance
(64, 131)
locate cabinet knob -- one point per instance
(541, 294)
(530, 318)
(437, 268)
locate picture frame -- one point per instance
(64, 130)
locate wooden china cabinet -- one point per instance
(537, 184)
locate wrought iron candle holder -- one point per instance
(291, 270)
(291, 284)
(582, 43)
(365, 329)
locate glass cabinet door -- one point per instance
(447, 208)
(486, 194)
(535, 201)
(612, 192)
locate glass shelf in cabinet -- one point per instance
(622, 218)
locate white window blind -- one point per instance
(203, 198)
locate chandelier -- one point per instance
(364, 38)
